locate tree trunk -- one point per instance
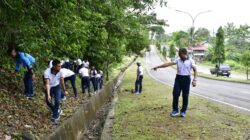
(217, 70)
(247, 73)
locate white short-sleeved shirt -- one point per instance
(54, 80)
(85, 63)
(98, 75)
(101, 73)
(184, 67)
(84, 72)
(93, 73)
(66, 72)
(140, 70)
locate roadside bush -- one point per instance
(234, 65)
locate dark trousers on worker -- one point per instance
(100, 82)
(72, 80)
(94, 83)
(55, 93)
(138, 84)
(85, 84)
(182, 84)
(28, 84)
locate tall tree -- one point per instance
(201, 35)
(245, 60)
(181, 39)
(237, 37)
(164, 52)
(172, 51)
(219, 49)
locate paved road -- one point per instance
(206, 70)
(232, 94)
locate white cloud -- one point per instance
(224, 11)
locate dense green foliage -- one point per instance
(182, 39)
(237, 40)
(164, 52)
(102, 31)
(158, 46)
(245, 59)
(172, 51)
(219, 48)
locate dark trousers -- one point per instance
(138, 84)
(72, 80)
(28, 84)
(85, 84)
(55, 92)
(94, 83)
(100, 82)
(182, 84)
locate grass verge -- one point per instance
(146, 116)
(221, 78)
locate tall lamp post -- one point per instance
(193, 21)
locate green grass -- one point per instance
(117, 67)
(229, 79)
(146, 116)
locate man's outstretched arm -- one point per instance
(164, 65)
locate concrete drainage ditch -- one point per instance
(88, 121)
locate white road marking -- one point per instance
(209, 98)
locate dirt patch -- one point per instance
(19, 114)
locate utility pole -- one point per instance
(193, 18)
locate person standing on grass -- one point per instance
(182, 80)
(85, 81)
(100, 81)
(53, 79)
(98, 76)
(93, 74)
(69, 75)
(139, 77)
(27, 61)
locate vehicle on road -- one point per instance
(223, 70)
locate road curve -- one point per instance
(232, 94)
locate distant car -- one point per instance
(223, 70)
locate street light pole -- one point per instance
(193, 21)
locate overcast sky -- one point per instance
(223, 11)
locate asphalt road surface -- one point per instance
(232, 94)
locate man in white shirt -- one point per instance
(79, 65)
(100, 79)
(139, 77)
(86, 63)
(53, 78)
(182, 80)
(85, 81)
(69, 75)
